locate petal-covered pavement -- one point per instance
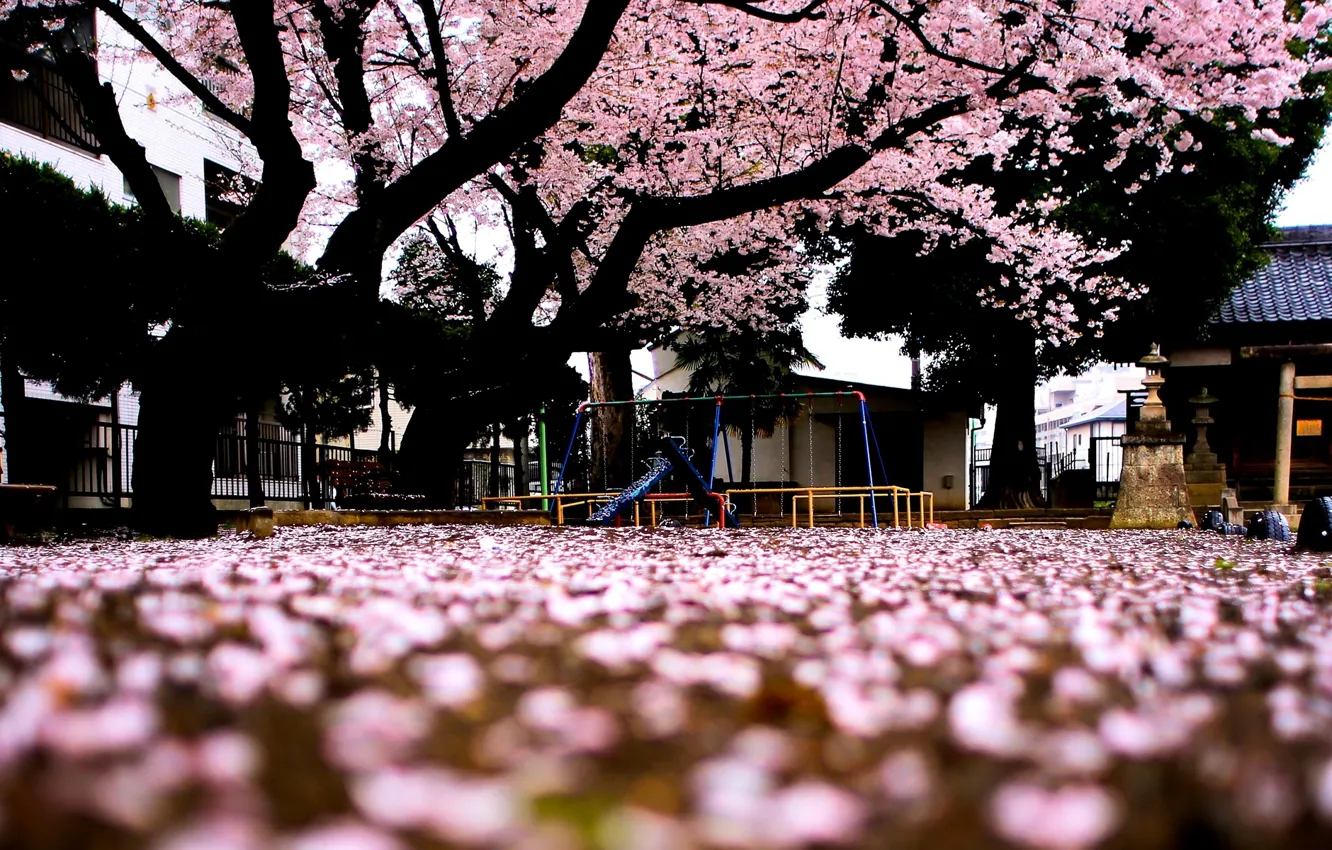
(623, 688)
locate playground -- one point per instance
(568, 687)
(683, 449)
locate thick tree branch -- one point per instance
(559, 251)
(474, 298)
(532, 275)
(443, 85)
(344, 41)
(172, 66)
(370, 229)
(287, 178)
(102, 111)
(607, 295)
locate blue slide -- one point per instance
(660, 468)
(694, 482)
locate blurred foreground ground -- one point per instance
(565, 688)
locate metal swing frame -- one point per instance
(810, 493)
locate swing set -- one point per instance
(672, 479)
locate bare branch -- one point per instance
(912, 23)
(808, 13)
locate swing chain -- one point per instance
(838, 475)
(781, 497)
(753, 435)
(810, 404)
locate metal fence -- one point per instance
(474, 481)
(288, 468)
(1105, 455)
(980, 472)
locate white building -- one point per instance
(194, 156)
(1066, 407)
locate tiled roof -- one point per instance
(1295, 286)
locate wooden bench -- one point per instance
(354, 477)
(24, 509)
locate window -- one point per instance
(226, 193)
(43, 102)
(170, 184)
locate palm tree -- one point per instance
(745, 363)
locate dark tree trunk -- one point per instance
(1015, 474)
(493, 483)
(385, 424)
(173, 458)
(14, 401)
(431, 452)
(612, 427)
(253, 472)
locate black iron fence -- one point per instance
(474, 481)
(289, 468)
(980, 472)
(1105, 455)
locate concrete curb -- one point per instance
(303, 518)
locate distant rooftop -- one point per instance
(1115, 411)
(1295, 285)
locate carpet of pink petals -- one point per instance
(648, 690)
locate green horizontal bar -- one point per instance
(714, 398)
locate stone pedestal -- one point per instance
(1205, 474)
(1153, 490)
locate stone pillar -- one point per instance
(1153, 490)
(1206, 476)
(1284, 429)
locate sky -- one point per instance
(873, 362)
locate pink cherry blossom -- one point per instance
(1069, 818)
(343, 835)
(813, 812)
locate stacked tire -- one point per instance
(1270, 525)
(1316, 526)
(1213, 521)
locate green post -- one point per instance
(541, 457)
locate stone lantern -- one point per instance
(1206, 476)
(1153, 489)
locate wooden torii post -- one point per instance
(1287, 384)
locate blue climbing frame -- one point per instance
(866, 429)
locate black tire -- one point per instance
(1316, 526)
(1270, 525)
(1184, 524)
(1213, 521)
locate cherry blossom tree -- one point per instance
(630, 143)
